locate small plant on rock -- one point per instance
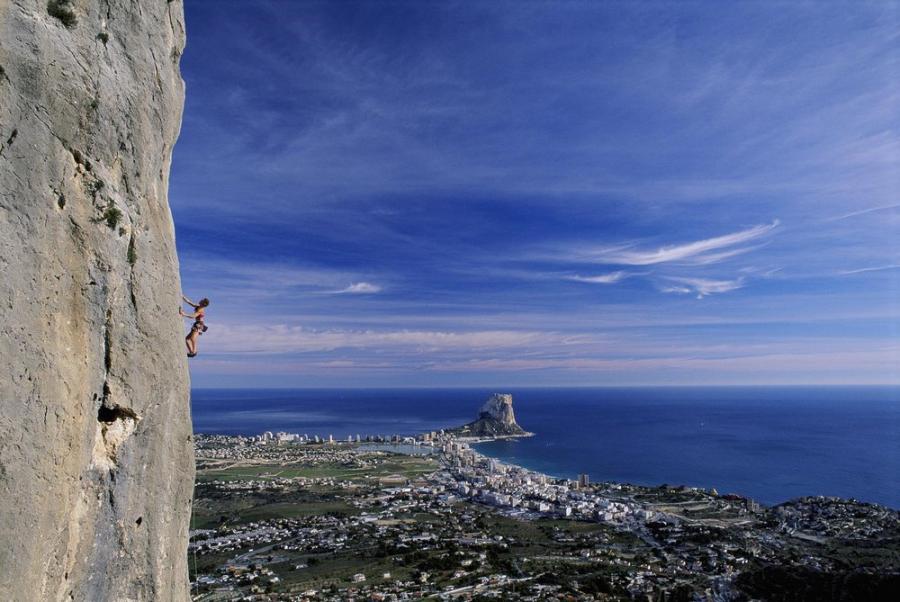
(64, 11)
(132, 252)
(111, 215)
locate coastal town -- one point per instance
(290, 517)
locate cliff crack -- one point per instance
(107, 342)
(9, 141)
(132, 260)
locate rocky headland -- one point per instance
(496, 420)
(96, 459)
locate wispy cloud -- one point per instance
(360, 288)
(864, 212)
(712, 258)
(809, 360)
(610, 278)
(277, 339)
(695, 251)
(702, 286)
(878, 268)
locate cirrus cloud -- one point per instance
(610, 278)
(360, 288)
(702, 286)
(695, 251)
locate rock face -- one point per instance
(495, 419)
(96, 461)
(499, 407)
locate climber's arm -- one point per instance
(184, 315)
(189, 302)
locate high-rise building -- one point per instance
(583, 480)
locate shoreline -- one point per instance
(470, 442)
(419, 441)
(485, 439)
(474, 441)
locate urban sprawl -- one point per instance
(290, 517)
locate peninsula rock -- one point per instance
(495, 419)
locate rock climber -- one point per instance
(198, 327)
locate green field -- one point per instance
(216, 507)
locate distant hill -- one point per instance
(495, 419)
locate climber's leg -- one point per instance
(192, 342)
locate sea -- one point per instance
(768, 443)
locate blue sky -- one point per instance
(492, 194)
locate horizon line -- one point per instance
(471, 387)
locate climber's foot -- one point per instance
(191, 354)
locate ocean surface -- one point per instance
(769, 443)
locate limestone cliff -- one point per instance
(499, 407)
(96, 463)
(495, 419)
